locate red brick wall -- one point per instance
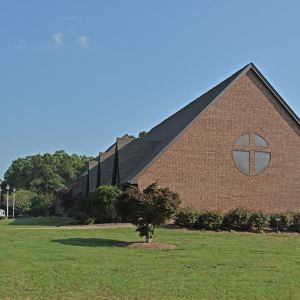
(199, 164)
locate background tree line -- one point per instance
(36, 177)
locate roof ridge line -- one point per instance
(238, 74)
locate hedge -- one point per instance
(186, 217)
(239, 219)
(211, 220)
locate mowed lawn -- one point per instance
(47, 262)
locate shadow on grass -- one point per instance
(93, 242)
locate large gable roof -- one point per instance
(128, 157)
(170, 129)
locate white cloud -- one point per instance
(83, 41)
(57, 39)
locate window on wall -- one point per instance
(251, 154)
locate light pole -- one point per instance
(14, 200)
(7, 193)
(0, 190)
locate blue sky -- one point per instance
(77, 74)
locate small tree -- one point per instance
(43, 205)
(147, 209)
(24, 199)
(101, 204)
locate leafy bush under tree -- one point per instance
(211, 220)
(258, 221)
(148, 209)
(43, 205)
(186, 217)
(29, 203)
(296, 222)
(283, 221)
(24, 199)
(101, 204)
(237, 219)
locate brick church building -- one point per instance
(238, 145)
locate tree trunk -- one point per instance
(149, 234)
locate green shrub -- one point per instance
(42, 205)
(237, 219)
(89, 221)
(23, 202)
(101, 204)
(186, 217)
(148, 208)
(284, 223)
(258, 221)
(296, 222)
(211, 220)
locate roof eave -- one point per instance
(134, 177)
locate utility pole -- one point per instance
(7, 198)
(0, 190)
(14, 200)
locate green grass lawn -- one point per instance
(47, 262)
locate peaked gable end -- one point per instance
(199, 164)
(172, 128)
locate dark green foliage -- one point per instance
(43, 205)
(186, 217)
(284, 223)
(142, 134)
(296, 222)
(24, 200)
(28, 203)
(101, 204)
(211, 220)
(237, 219)
(44, 173)
(148, 209)
(258, 221)
(89, 221)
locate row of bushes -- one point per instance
(238, 219)
(31, 204)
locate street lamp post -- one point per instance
(14, 200)
(0, 190)
(7, 198)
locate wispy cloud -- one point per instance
(57, 39)
(83, 41)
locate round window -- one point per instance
(251, 154)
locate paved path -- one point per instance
(97, 226)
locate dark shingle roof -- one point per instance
(107, 159)
(93, 173)
(165, 132)
(134, 155)
(107, 164)
(170, 129)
